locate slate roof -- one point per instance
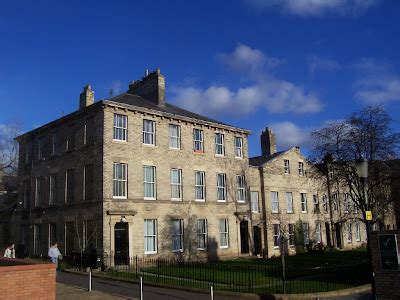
(260, 160)
(130, 99)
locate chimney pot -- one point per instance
(146, 72)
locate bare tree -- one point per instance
(9, 147)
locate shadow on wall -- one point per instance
(185, 239)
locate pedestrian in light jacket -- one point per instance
(10, 252)
(54, 254)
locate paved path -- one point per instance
(359, 296)
(129, 290)
(68, 292)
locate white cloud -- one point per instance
(317, 8)
(289, 135)
(377, 82)
(316, 63)
(266, 92)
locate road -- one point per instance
(131, 290)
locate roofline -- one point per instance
(175, 116)
(95, 105)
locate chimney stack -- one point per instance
(268, 142)
(86, 97)
(151, 87)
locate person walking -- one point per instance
(54, 254)
(10, 252)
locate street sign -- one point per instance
(389, 252)
(368, 215)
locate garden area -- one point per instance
(304, 273)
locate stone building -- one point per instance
(134, 175)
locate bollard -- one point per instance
(212, 292)
(141, 288)
(90, 281)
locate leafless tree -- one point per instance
(9, 147)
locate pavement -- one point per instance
(74, 286)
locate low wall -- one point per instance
(387, 282)
(26, 279)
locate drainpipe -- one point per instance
(264, 213)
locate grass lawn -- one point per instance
(309, 272)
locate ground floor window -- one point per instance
(276, 235)
(223, 233)
(318, 238)
(202, 234)
(177, 235)
(37, 233)
(349, 233)
(150, 236)
(306, 233)
(358, 231)
(291, 234)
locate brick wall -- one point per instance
(27, 280)
(387, 282)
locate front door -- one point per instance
(257, 240)
(328, 234)
(121, 243)
(338, 236)
(244, 237)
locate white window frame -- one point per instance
(303, 202)
(198, 140)
(316, 203)
(325, 203)
(240, 188)
(151, 183)
(346, 202)
(221, 187)
(120, 132)
(200, 185)
(123, 180)
(219, 144)
(151, 235)
(358, 231)
(177, 234)
(276, 235)
(335, 198)
(349, 233)
(202, 234)
(318, 233)
(172, 137)
(289, 202)
(238, 147)
(306, 233)
(274, 202)
(223, 232)
(301, 168)
(149, 136)
(291, 241)
(38, 191)
(286, 166)
(254, 201)
(177, 185)
(52, 188)
(54, 139)
(40, 148)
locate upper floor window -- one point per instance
(347, 202)
(120, 127)
(274, 202)
(221, 187)
(316, 203)
(149, 132)
(54, 143)
(70, 138)
(88, 182)
(303, 200)
(286, 166)
(88, 138)
(301, 168)
(38, 191)
(289, 202)
(40, 148)
(149, 181)
(176, 184)
(174, 136)
(198, 140)
(325, 203)
(254, 202)
(120, 176)
(335, 201)
(240, 188)
(52, 188)
(238, 147)
(200, 186)
(219, 144)
(69, 186)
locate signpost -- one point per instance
(389, 252)
(368, 215)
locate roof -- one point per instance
(137, 101)
(261, 160)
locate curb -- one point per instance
(337, 293)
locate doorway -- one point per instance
(328, 234)
(338, 234)
(244, 237)
(121, 244)
(257, 240)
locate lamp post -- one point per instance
(362, 172)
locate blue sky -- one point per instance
(288, 64)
